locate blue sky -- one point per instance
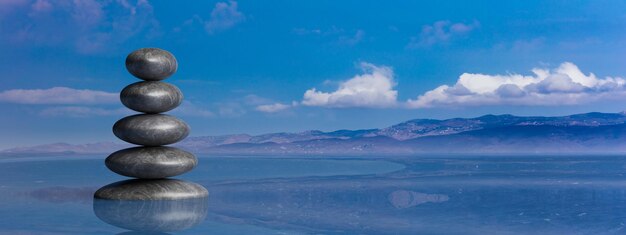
(272, 66)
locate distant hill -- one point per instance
(581, 133)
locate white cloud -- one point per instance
(374, 88)
(58, 95)
(272, 108)
(441, 31)
(81, 112)
(565, 84)
(224, 16)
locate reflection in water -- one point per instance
(424, 205)
(142, 233)
(60, 194)
(152, 215)
(404, 199)
(440, 196)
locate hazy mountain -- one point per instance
(430, 127)
(100, 147)
(581, 133)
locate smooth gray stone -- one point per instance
(151, 97)
(157, 189)
(151, 129)
(151, 64)
(151, 217)
(151, 162)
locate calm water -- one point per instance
(418, 195)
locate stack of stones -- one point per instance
(152, 162)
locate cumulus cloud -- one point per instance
(441, 31)
(225, 15)
(566, 84)
(374, 88)
(58, 95)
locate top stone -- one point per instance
(151, 64)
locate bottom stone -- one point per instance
(153, 215)
(158, 189)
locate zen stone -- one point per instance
(154, 189)
(151, 162)
(151, 129)
(152, 216)
(151, 64)
(151, 97)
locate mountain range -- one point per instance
(580, 133)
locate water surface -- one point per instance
(390, 195)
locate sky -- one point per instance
(289, 66)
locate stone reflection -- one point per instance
(142, 233)
(402, 199)
(152, 216)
